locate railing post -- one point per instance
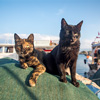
(3, 49)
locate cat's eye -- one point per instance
(27, 46)
(67, 32)
(76, 36)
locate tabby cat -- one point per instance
(66, 53)
(29, 56)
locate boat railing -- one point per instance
(7, 48)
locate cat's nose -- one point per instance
(25, 52)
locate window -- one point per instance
(8, 49)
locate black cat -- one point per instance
(66, 53)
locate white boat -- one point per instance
(8, 50)
(93, 60)
(96, 52)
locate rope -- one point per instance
(96, 79)
(97, 92)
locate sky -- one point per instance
(43, 19)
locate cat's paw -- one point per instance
(32, 82)
(76, 84)
(63, 80)
(67, 73)
(24, 65)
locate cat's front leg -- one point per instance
(40, 69)
(23, 64)
(73, 74)
(61, 70)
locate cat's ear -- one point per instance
(16, 37)
(63, 23)
(79, 25)
(31, 38)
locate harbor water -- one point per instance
(81, 67)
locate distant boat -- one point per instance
(96, 52)
(94, 58)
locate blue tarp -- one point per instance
(95, 90)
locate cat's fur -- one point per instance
(65, 54)
(29, 56)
